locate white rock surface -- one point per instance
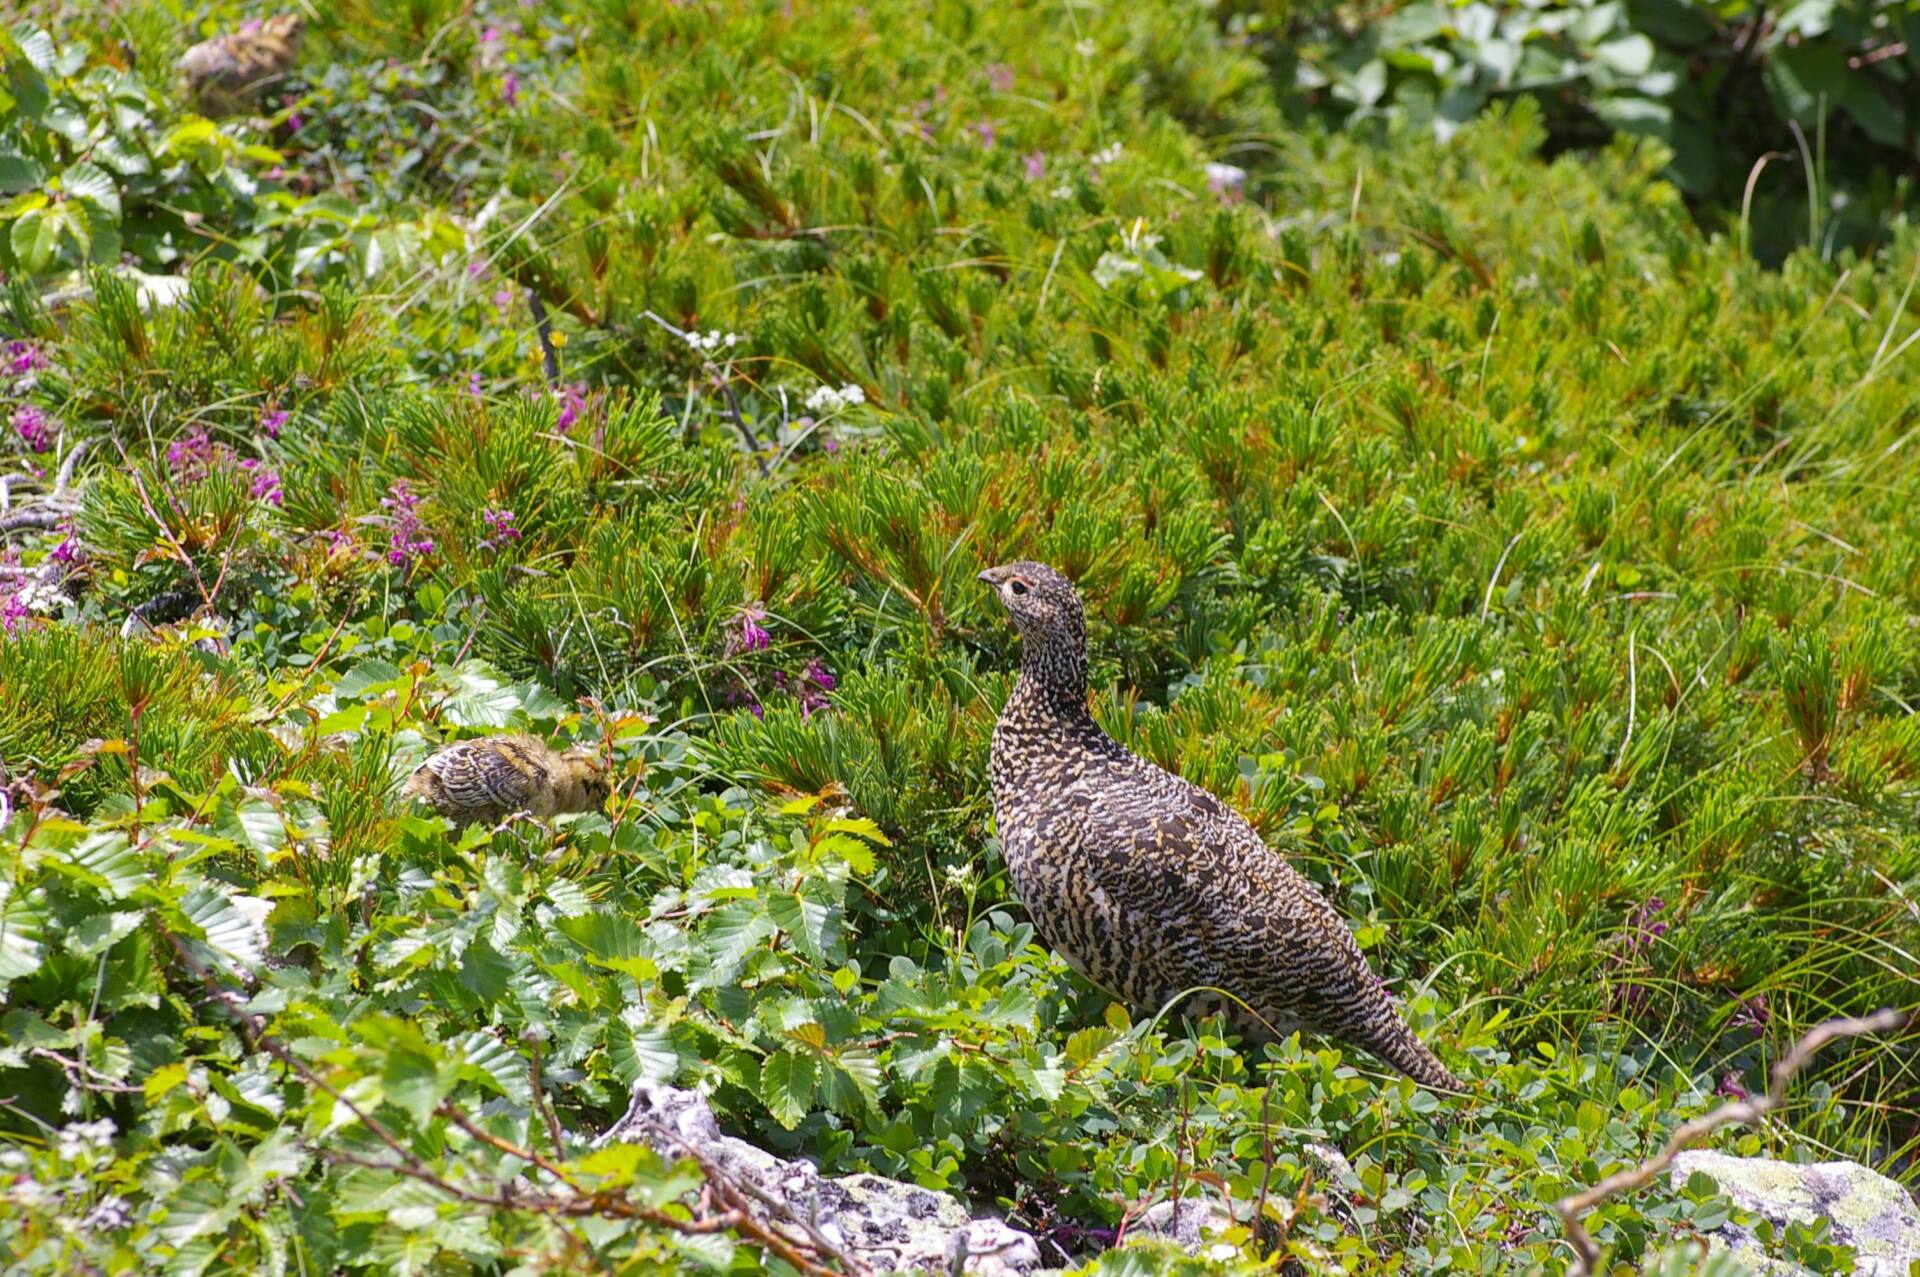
(885, 1224)
(1870, 1213)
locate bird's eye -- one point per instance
(1017, 586)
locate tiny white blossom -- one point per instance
(78, 1137)
(1105, 155)
(1084, 48)
(826, 399)
(711, 340)
(112, 1212)
(1226, 178)
(39, 596)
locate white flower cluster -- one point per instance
(1226, 178)
(1105, 155)
(715, 340)
(826, 399)
(40, 596)
(78, 1137)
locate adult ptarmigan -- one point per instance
(1150, 886)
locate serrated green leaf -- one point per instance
(23, 929)
(88, 182)
(787, 1085)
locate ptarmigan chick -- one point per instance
(1149, 885)
(486, 780)
(228, 72)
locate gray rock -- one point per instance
(1193, 1224)
(1870, 1213)
(886, 1225)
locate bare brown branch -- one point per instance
(1573, 1209)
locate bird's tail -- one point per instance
(1375, 1025)
(1400, 1048)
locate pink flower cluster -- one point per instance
(408, 542)
(573, 402)
(194, 456)
(501, 528)
(34, 427)
(23, 357)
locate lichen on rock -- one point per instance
(1869, 1213)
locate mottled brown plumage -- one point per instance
(1149, 885)
(486, 780)
(228, 72)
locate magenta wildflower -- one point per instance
(24, 357)
(408, 543)
(753, 635)
(190, 455)
(33, 427)
(271, 420)
(12, 612)
(573, 402)
(988, 135)
(1752, 1013)
(999, 77)
(1732, 1087)
(295, 122)
(820, 676)
(501, 528)
(503, 300)
(510, 89)
(68, 551)
(830, 445)
(266, 482)
(1036, 162)
(473, 384)
(490, 36)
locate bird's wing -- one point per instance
(477, 776)
(1238, 909)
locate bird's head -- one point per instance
(587, 774)
(1041, 602)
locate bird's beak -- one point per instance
(991, 576)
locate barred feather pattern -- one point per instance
(1150, 886)
(484, 781)
(225, 73)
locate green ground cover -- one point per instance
(1539, 572)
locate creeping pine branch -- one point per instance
(1573, 1209)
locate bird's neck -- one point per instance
(1053, 675)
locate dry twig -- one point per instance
(1573, 1209)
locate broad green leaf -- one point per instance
(36, 238)
(368, 678)
(89, 182)
(612, 941)
(23, 929)
(18, 173)
(787, 1086)
(252, 824)
(229, 933)
(815, 927)
(485, 1059)
(641, 1053)
(108, 861)
(101, 932)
